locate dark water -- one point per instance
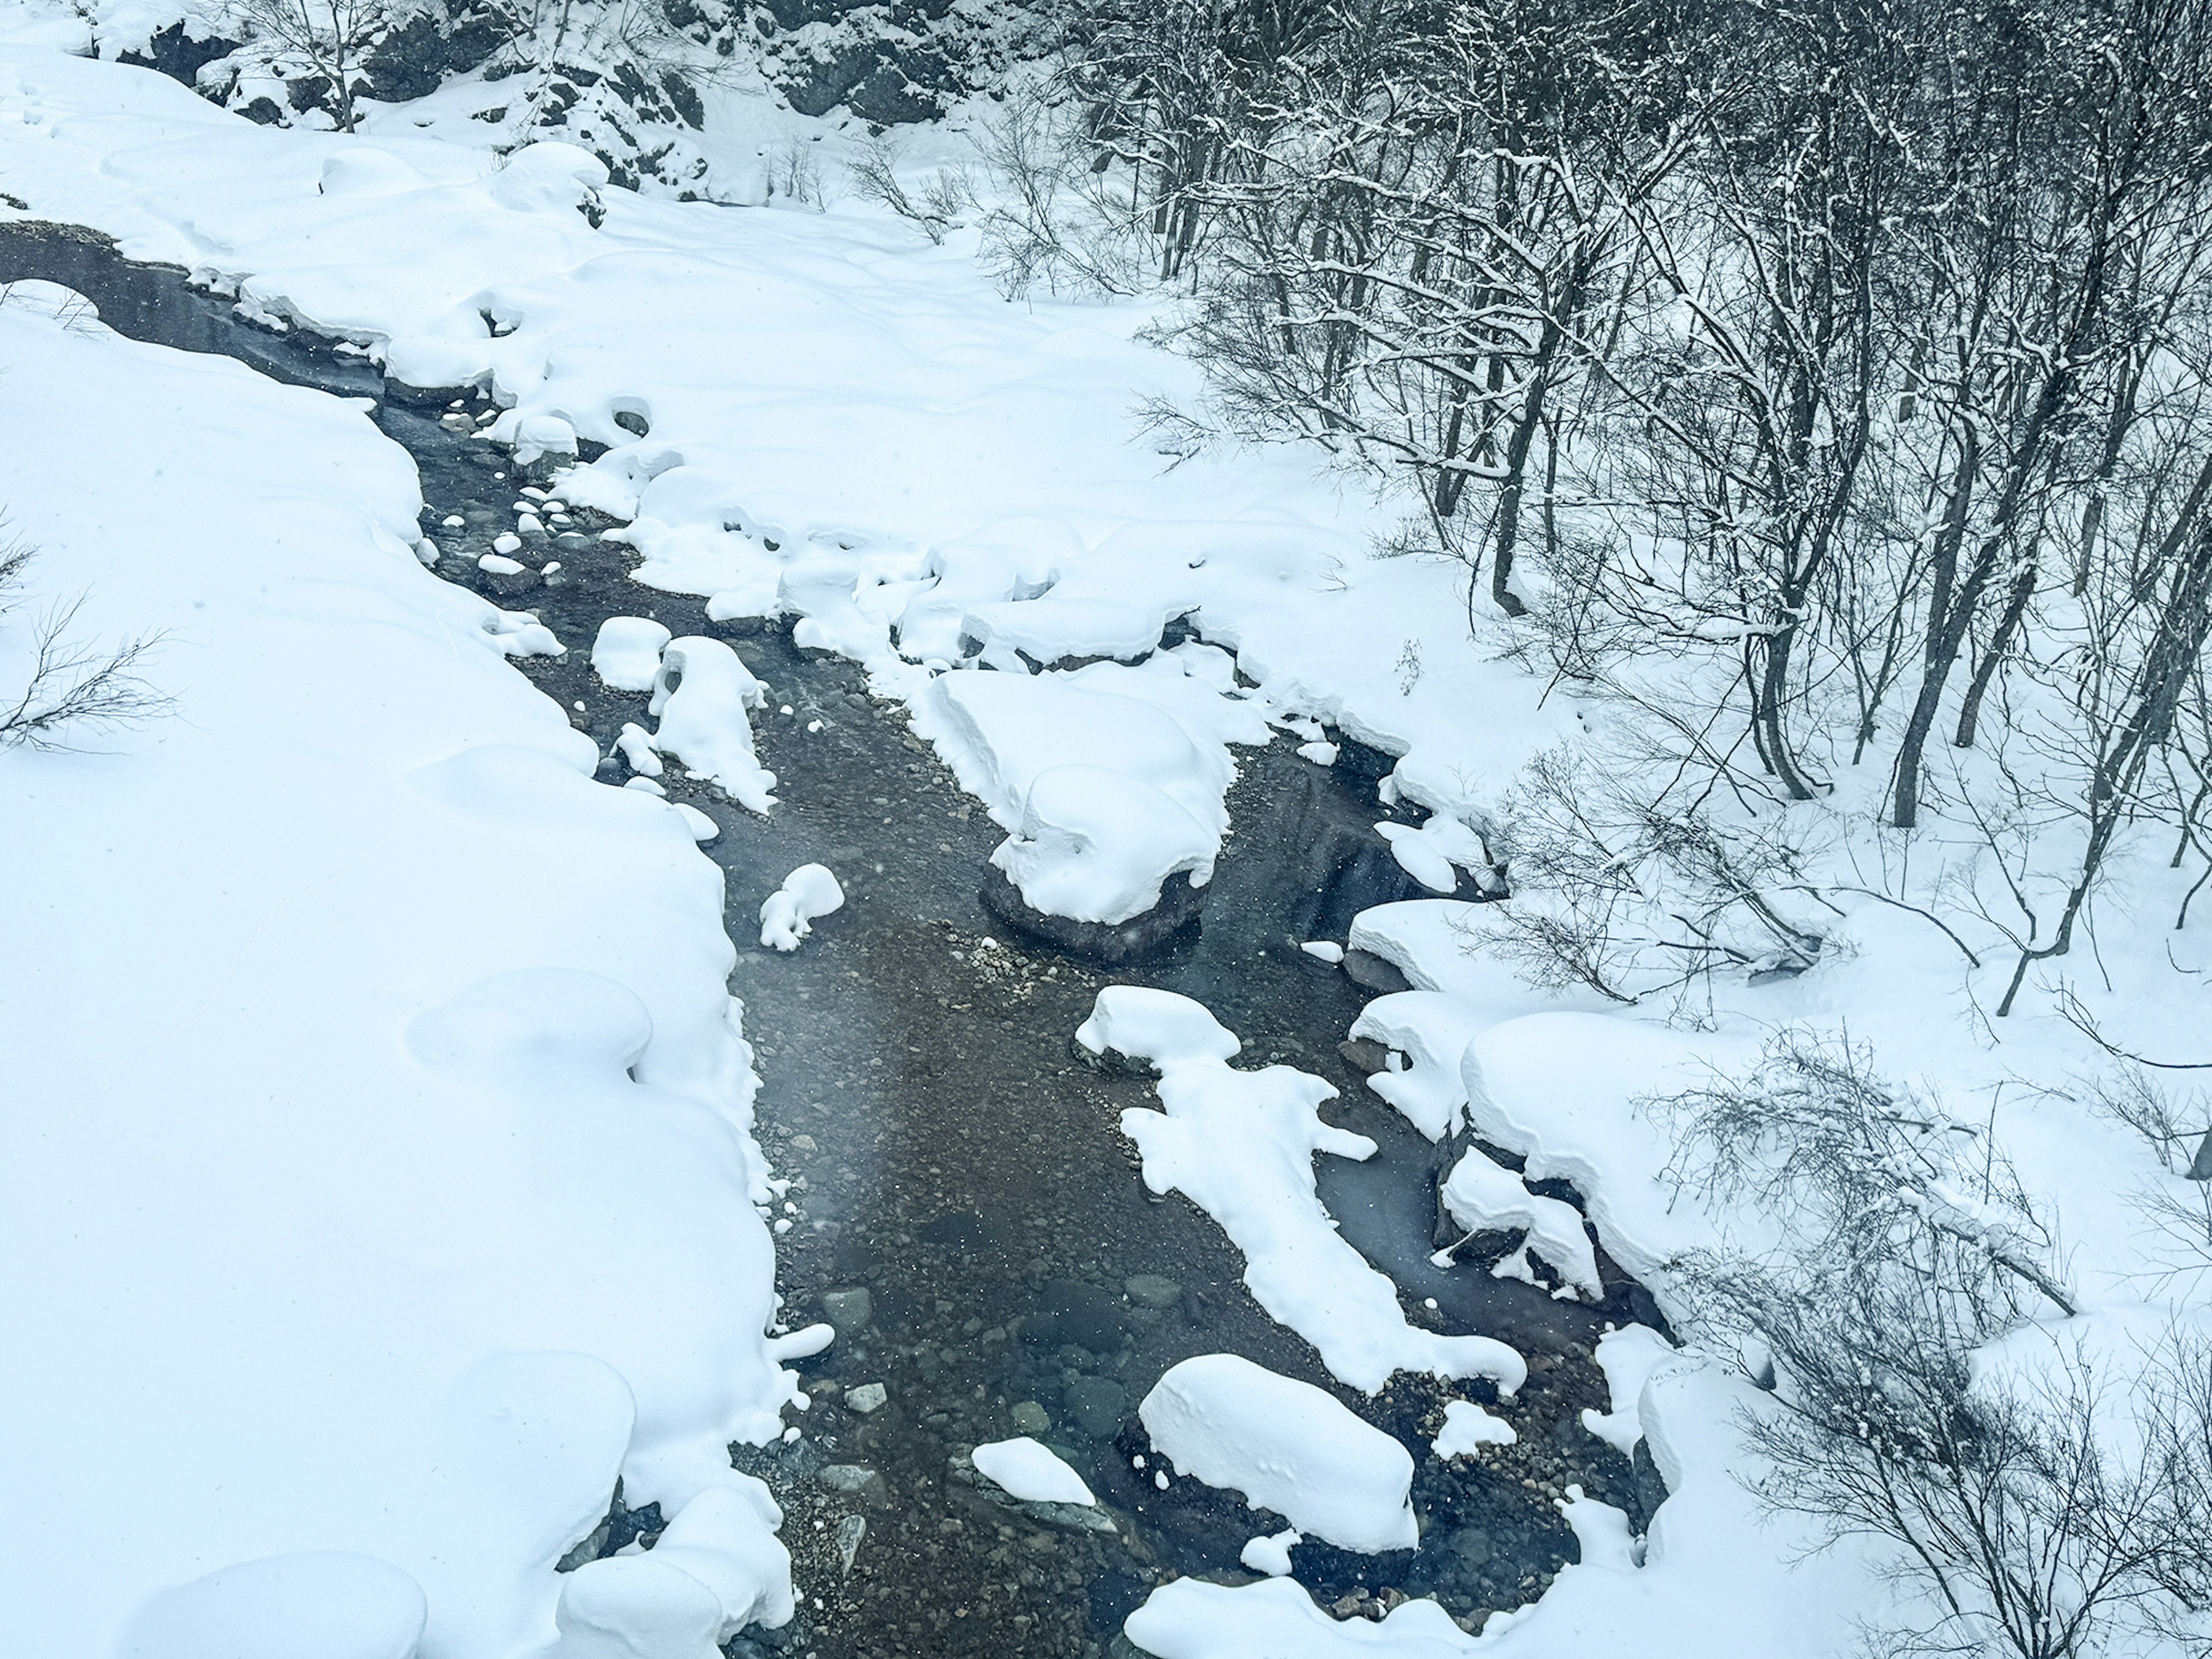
(951, 1157)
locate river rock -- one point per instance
(1097, 1405)
(1030, 1418)
(1364, 1055)
(856, 1480)
(868, 1398)
(849, 1312)
(1373, 973)
(1150, 1291)
(1111, 942)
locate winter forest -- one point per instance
(1107, 829)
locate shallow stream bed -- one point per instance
(963, 1206)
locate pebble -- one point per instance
(868, 1398)
(1030, 1419)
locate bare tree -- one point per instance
(59, 686)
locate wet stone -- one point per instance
(1364, 1055)
(1097, 1405)
(1150, 1291)
(1373, 973)
(848, 1311)
(866, 1400)
(855, 1480)
(1029, 1418)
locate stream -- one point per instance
(963, 1207)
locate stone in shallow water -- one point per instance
(1030, 1418)
(848, 1311)
(856, 1480)
(850, 1531)
(1150, 1291)
(867, 1398)
(1097, 1404)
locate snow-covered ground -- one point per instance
(841, 424)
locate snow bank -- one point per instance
(786, 915)
(1629, 1357)
(699, 696)
(1032, 1470)
(1483, 1196)
(1288, 1446)
(374, 1222)
(1191, 1619)
(1240, 1146)
(1432, 1031)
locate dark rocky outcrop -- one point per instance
(180, 55)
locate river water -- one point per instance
(963, 1206)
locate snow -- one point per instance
(1032, 1470)
(1110, 778)
(1628, 1357)
(1468, 1428)
(702, 828)
(1324, 950)
(848, 429)
(1240, 1146)
(787, 914)
(700, 698)
(1096, 845)
(635, 744)
(494, 564)
(329, 1603)
(1286, 1446)
(1271, 1552)
(1483, 1195)
(409, 1217)
(1431, 1031)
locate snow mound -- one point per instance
(539, 177)
(1270, 1553)
(1240, 1146)
(626, 652)
(1096, 845)
(807, 892)
(1060, 625)
(1288, 1446)
(1032, 1470)
(1434, 854)
(1110, 779)
(1483, 1195)
(1468, 1428)
(1161, 1026)
(699, 696)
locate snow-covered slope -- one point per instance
(357, 1199)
